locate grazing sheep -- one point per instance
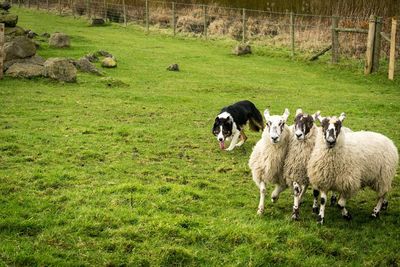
(347, 162)
(267, 159)
(301, 145)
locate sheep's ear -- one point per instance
(286, 114)
(299, 111)
(342, 116)
(316, 115)
(266, 114)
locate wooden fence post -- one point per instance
(147, 16)
(72, 7)
(173, 18)
(335, 40)
(244, 25)
(47, 5)
(377, 45)
(370, 46)
(29, 4)
(37, 4)
(105, 10)
(59, 7)
(1, 49)
(292, 32)
(205, 20)
(19, 3)
(124, 10)
(392, 54)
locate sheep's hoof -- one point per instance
(347, 217)
(320, 220)
(315, 210)
(295, 215)
(384, 205)
(375, 214)
(333, 201)
(260, 211)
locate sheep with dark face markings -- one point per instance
(346, 162)
(268, 156)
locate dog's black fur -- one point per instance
(239, 114)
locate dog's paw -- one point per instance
(229, 149)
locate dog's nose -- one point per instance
(220, 139)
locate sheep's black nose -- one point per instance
(274, 138)
(299, 135)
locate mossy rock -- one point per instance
(9, 20)
(112, 82)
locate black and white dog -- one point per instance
(231, 120)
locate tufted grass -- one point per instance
(97, 175)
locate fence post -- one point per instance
(105, 10)
(19, 3)
(29, 4)
(392, 54)
(292, 32)
(370, 46)
(335, 40)
(37, 4)
(244, 25)
(88, 9)
(147, 16)
(124, 10)
(47, 5)
(173, 18)
(377, 44)
(72, 7)
(205, 20)
(1, 49)
(59, 7)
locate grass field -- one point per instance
(92, 175)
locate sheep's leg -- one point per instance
(382, 204)
(321, 215)
(333, 199)
(303, 190)
(342, 206)
(297, 192)
(275, 194)
(260, 210)
(315, 207)
(234, 141)
(243, 138)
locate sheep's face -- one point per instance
(275, 125)
(331, 127)
(303, 124)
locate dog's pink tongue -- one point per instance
(222, 144)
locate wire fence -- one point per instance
(300, 34)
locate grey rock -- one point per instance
(59, 40)
(242, 49)
(45, 35)
(19, 47)
(98, 21)
(25, 70)
(103, 53)
(173, 67)
(83, 64)
(60, 69)
(30, 34)
(92, 57)
(9, 20)
(36, 60)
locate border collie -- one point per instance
(230, 122)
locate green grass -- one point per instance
(92, 175)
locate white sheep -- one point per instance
(267, 159)
(346, 162)
(301, 145)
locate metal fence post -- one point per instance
(147, 16)
(124, 10)
(292, 32)
(377, 44)
(173, 18)
(244, 25)
(205, 20)
(392, 54)
(1, 49)
(370, 46)
(335, 40)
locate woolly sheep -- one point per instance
(266, 160)
(346, 162)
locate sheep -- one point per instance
(301, 145)
(347, 162)
(266, 160)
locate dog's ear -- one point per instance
(216, 119)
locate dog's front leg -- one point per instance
(234, 141)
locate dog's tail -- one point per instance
(256, 122)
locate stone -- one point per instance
(83, 64)
(242, 49)
(25, 70)
(173, 67)
(60, 69)
(30, 34)
(9, 20)
(19, 47)
(108, 62)
(112, 82)
(45, 35)
(14, 31)
(98, 21)
(103, 53)
(36, 60)
(5, 6)
(92, 57)
(59, 40)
